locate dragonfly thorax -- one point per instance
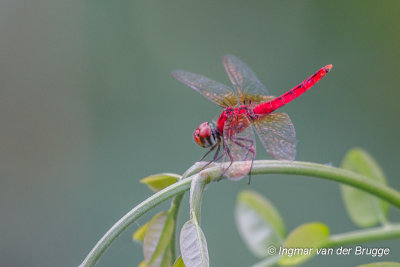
(233, 111)
(206, 135)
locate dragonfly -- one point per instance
(247, 107)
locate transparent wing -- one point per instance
(217, 92)
(239, 147)
(243, 79)
(215, 119)
(277, 135)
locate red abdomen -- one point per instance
(282, 100)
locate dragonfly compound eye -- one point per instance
(203, 135)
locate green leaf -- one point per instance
(166, 259)
(303, 242)
(139, 234)
(193, 245)
(157, 238)
(259, 223)
(163, 261)
(179, 262)
(364, 209)
(381, 264)
(160, 181)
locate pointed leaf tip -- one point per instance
(179, 262)
(160, 181)
(140, 233)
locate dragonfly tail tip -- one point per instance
(328, 68)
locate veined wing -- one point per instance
(239, 147)
(243, 79)
(277, 135)
(216, 92)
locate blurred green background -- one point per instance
(88, 107)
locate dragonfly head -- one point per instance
(205, 135)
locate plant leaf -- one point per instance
(158, 182)
(139, 234)
(259, 223)
(311, 235)
(193, 245)
(381, 264)
(179, 262)
(364, 209)
(142, 264)
(157, 238)
(166, 259)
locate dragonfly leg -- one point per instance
(228, 152)
(244, 139)
(251, 167)
(220, 157)
(215, 157)
(208, 152)
(250, 149)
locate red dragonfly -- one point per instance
(250, 106)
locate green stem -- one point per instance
(390, 231)
(329, 173)
(196, 194)
(386, 232)
(176, 203)
(259, 167)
